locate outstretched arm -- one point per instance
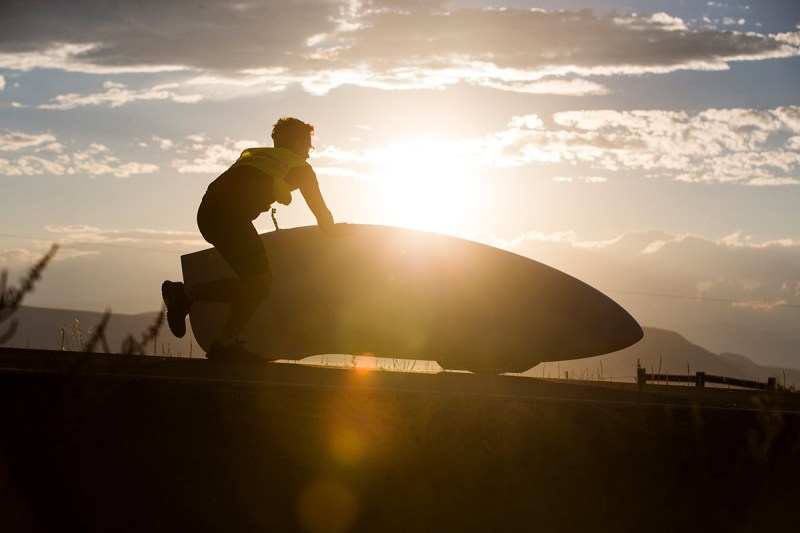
(305, 179)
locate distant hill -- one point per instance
(758, 345)
(55, 329)
(668, 352)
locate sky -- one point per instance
(650, 148)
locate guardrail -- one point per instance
(701, 378)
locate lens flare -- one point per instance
(347, 447)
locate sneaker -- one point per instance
(233, 352)
(177, 306)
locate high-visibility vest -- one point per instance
(277, 162)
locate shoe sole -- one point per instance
(177, 328)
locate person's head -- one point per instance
(294, 135)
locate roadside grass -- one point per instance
(72, 337)
(11, 297)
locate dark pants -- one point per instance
(234, 237)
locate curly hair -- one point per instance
(288, 130)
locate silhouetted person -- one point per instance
(248, 188)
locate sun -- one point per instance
(426, 185)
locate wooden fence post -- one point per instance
(700, 379)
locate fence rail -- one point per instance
(701, 378)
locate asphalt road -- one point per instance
(127, 367)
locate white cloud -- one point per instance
(164, 144)
(43, 155)
(668, 22)
(15, 140)
(792, 39)
(728, 21)
(205, 157)
(564, 237)
(716, 145)
(571, 87)
(772, 182)
(117, 94)
(746, 146)
(72, 57)
(2, 82)
(740, 240)
(74, 234)
(457, 70)
(584, 179)
(248, 82)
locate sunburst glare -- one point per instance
(426, 185)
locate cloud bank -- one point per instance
(749, 146)
(753, 147)
(744, 146)
(736, 275)
(388, 44)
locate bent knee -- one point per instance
(260, 284)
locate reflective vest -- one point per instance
(277, 162)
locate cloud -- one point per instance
(458, 70)
(772, 182)
(43, 155)
(199, 155)
(158, 34)
(565, 237)
(735, 272)
(716, 145)
(163, 143)
(142, 238)
(2, 82)
(116, 95)
(15, 140)
(734, 267)
(747, 146)
(556, 42)
(584, 179)
(402, 44)
(97, 246)
(69, 57)
(12, 259)
(17, 261)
